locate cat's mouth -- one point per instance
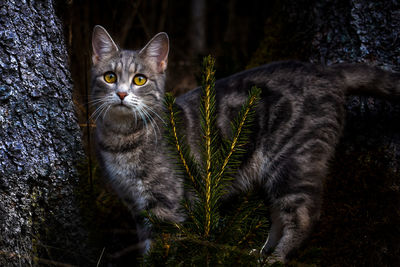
(122, 104)
(122, 107)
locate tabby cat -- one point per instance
(299, 120)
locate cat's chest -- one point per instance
(125, 164)
(125, 174)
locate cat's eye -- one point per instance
(110, 77)
(139, 79)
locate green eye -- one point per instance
(110, 77)
(139, 79)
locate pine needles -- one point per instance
(208, 237)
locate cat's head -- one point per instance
(127, 85)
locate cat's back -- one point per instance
(289, 78)
(291, 90)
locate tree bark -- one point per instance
(362, 31)
(357, 31)
(39, 140)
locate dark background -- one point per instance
(361, 217)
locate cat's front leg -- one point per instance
(144, 229)
(143, 224)
(144, 232)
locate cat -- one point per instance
(298, 123)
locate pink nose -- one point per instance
(122, 95)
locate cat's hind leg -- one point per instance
(295, 202)
(296, 216)
(275, 234)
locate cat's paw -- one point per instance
(274, 260)
(268, 259)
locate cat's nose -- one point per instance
(122, 95)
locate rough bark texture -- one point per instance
(357, 31)
(39, 139)
(362, 31)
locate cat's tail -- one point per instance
(368, 80)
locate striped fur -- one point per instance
(299, 121)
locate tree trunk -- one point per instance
(198, 26)
(39, 140)
(368, 159)
(362, 31)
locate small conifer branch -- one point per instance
(253, 98)
(238, 218)
(166, 244)
(206, 235)
(251, 231)
(233, 218)
(190, 213)
(177, 144)
(207, 243)
(208, 102)
(183, 231)
(251, 212)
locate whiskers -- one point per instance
(143, 115)
(148, 116)
(103, 105)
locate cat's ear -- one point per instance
(156, 52)
(102, 43)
